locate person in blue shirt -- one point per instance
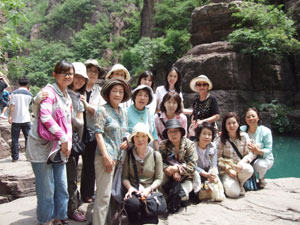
(261, 144)
(140, 113)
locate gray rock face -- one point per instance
(210, 23)
(239, 81)
(16, 179)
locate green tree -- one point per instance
(263, 29)
(12, 14)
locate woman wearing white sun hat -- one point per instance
(205, 108)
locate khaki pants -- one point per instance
(232, 186)
(103, 192)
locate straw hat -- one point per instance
(202, 78)
(141, 128)
(117, 67)
(173, 123)
(80, 69)
(95, 63)
(143, 87)
(105, 91)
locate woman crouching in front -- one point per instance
(147, 163)
(234, 156)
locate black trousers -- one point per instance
(72, 183)
(87, 184)
(136, 212)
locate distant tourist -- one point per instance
(205, 107)
(50, 172)
(3, 84)
(19, 116)
(261, 144)
(4, 103)
(233, 149)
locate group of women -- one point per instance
(146, 125)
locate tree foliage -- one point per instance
(263, 29)
(11, 15)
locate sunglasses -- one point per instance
(201, 84)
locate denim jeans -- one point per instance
(51, 191)
(15, 134)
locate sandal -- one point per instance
(60, 222)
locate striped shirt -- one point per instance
(38, 149)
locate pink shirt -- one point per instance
(160, 127)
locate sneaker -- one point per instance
(262, 183)
(78, 216)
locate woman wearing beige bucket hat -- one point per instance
(110, 129)
(150, 174)
(205, 108)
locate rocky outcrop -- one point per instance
(240, 81)
(147, 18)
(212, 22)
(5, 139)
(16, 179)
(292, 7)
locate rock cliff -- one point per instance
(239, 81)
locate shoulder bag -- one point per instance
(155, 204)
(251, 183)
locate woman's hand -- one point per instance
(252, 147)
(177, 176)
(82, 98)
(124, 145)
(170, 170)
(211, 177)
(146, 192)
(239, 167)
(231, 172)
(109, 164)
(129, 192)
(65, 150)
(45, 94)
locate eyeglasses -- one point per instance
(67, 74)
(201, 84)
(92, 71)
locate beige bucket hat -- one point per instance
(141, 128)
(202, 78)
(117, 67)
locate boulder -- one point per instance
(211, 23)
(239, 81)
(16, 179)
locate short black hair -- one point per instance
(206, 125)
(23, 81)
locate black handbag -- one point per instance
(120, 217)
(155, 204)
(77, 145)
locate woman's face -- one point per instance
(141, 99)
(171, 105)
(174, 135)
(64, 79)
(202, 87)
(172, 77)
(205, 136)
(252, 118)
(78, 82)
(140, 140)
(232, 125)
(146, 81)
(116, 95)
(92, 73)
(118, 74)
